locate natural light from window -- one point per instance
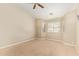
(54, 27)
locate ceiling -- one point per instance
(51, 10)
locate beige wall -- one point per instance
(16, 24)
(40, 30)
(69, 30)
(38, 27)
(56, 35)
(77, 31)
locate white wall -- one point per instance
(15, 24)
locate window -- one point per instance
(54, 27)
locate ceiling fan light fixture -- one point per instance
(38, 4)
(34, 6)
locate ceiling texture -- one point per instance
(50, 10)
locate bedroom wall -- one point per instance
(41, 29)
(56, 35)
(77, 30)
(69, 30)
(16, 24)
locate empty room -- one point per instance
(39, 29)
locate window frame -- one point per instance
(54, 28)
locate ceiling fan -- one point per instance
(37, 4)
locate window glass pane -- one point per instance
(54, 27)
(56, 24)
(50, 29)
(55, 31)
(50, 25)
(57, 28)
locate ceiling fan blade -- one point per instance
(34, 6)
(40, 5)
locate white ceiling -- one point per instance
(58, 9)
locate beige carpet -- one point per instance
(40, 48)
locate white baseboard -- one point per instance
(13, 44)
(65, 43)
(32, 38)
(69, 44)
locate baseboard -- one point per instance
(13, 44)
(65, 43)
(32, 38)
(69, 44)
